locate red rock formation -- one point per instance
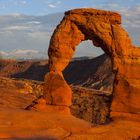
(103, 28)
(57, 92)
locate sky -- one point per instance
(29, 24)
(43, 7)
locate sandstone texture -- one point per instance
(33, 125)
(87, 104)
(16, 123)
(56, 90)
(105, 31)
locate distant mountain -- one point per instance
(23, 54)
(95, 73)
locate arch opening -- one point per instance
(92, 69)
(91, 80)
(88, 50)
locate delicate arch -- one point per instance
(103, 28)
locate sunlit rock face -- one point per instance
(105, 31)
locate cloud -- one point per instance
(33, 22)
(15, 14)
(40, 36)
(27, 32)
(131, 22)
(130, 17)
(22, 53)
(52, 5)
(10, 28)
(34, 32)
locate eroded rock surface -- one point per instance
(88, 104)
(57, 92)
(104, 29)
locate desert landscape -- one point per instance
(91, 98)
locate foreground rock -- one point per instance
(17, 123)
(88, 104)
(21, 124)
(103, 28)
(56, 90)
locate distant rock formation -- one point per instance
(98, 76)
(103, 28)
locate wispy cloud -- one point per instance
(52, 5)
(16, 28)
(23, 53)
(21, 31)
(28, 32)
(33, 22)
(38, 35)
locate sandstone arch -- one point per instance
(104, 29)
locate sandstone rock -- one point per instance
(103, 28)
(56, 90)
(37, 104)
(88, 104)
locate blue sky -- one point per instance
(43, 7)
(25, 26)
